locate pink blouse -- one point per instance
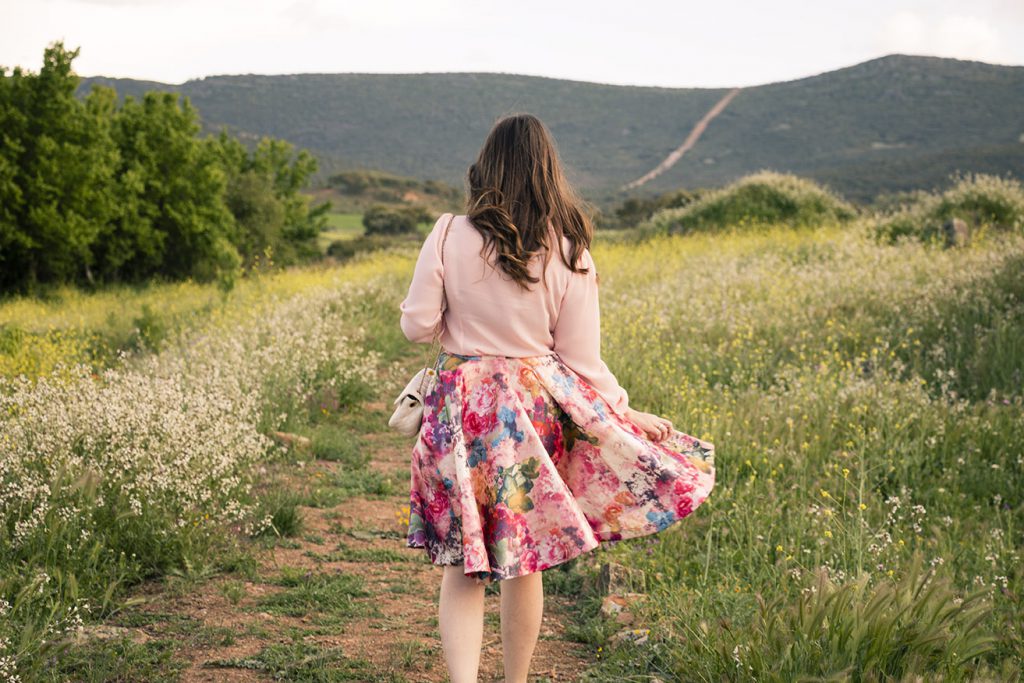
(488, 314)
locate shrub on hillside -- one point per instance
(342, 250)
(354, 191)
(358, 182)
(633, 211)
(982, 201)
(384, 220)
(762, 198)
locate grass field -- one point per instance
(349, 226)
(342, 226)
(865, 401)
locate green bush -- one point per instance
(635, 210)
(982, 199)
(150, 329)
(762, 198)
(339, 444)
(983, 202)
(342, 250)
(281, 508)
(358, 182)
(383, 220)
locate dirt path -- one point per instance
(691, 140)
(342, 600)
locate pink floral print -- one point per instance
(521, 465)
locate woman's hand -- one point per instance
(656, 428)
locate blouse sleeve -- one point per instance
(577, 335)
(421, 309)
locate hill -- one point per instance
(895, 122)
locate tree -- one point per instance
(56, 168)
(173, 217)
(91, 192)
(263, 195)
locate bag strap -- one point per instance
(444, 306)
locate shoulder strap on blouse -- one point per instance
(444, 239)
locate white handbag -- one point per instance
(408, 416)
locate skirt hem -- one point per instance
(490, 576)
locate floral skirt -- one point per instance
(520, 465)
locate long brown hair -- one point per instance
(516, 186)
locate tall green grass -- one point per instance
(866, 405)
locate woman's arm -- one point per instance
(577, 335)
(421, 309)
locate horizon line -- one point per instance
(546, 77)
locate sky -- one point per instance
(724, 43)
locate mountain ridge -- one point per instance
(871, 117)
(888, 58)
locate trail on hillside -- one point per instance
(691, 139)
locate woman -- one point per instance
(529, 454)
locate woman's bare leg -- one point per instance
(522, 608)
(461, 622)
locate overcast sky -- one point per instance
(637, 42)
